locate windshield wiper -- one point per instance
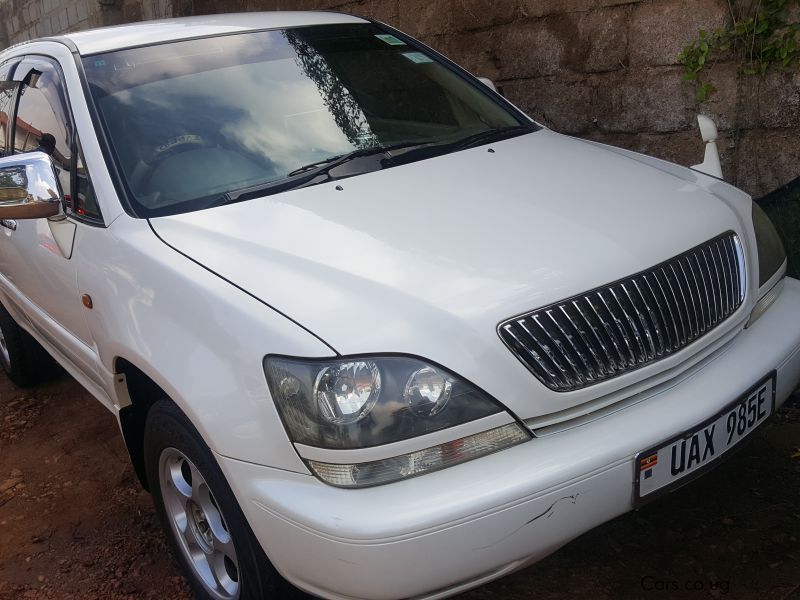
(490, 135)
(329, 164)
(313, 173)
(306, 175)
(334, 161)
(476, 139)
(320, 171)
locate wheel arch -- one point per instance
(142, 393)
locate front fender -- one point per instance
(198, 337)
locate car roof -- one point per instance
(107, 39)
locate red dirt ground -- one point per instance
(75, 524)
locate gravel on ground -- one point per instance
(75, 524)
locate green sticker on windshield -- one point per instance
(390, 39)
(417, 57)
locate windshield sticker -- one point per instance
(390, 39)
(124, 65)
(417, 57)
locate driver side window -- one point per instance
(43, 124)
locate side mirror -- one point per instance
(711, 164)
(29, 187)
(488, 83)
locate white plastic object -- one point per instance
(708, 129)
(711, 164)
(488, 83)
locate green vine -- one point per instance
(758, 37)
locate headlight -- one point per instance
(771, 253)
(771, 260)
(363, 402)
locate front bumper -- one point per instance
(441, 533)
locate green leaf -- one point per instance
(704, 91)
(761, 41)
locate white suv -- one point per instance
(364, 323)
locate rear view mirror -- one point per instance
(29, 187)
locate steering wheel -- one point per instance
(145, 168)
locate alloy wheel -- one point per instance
(198, 525)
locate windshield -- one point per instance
(195, 120)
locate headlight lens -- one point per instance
(771, 253)
(346, 392)
(427, 391)
(357, 403)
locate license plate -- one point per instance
(679, 460)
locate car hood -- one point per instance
(427, 258)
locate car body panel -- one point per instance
(106, 39)
(34, 266)
(199, 338)
(487, 517)
(429, 258)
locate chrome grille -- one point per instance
(633, 322)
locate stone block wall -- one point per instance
(601, 69)
(22, 20)
(25, 20)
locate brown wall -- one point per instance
(603, 69)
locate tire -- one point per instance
(22, 358)
(213, 523)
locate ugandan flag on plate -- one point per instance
(647, 463)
